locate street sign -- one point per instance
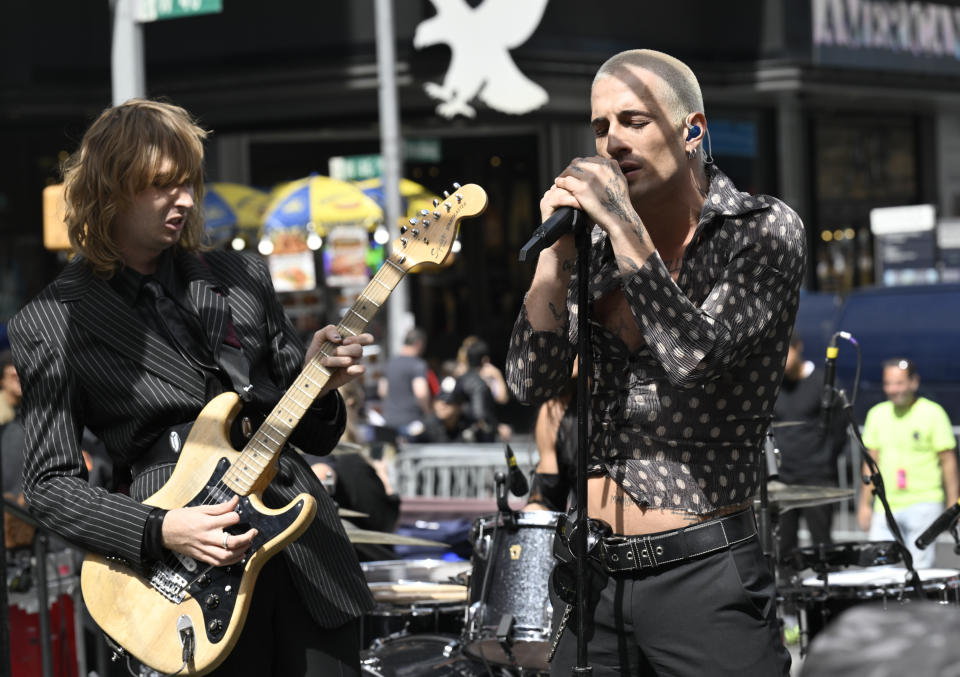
(355, 167)
(359, 167)
(156, 10)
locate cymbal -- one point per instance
(384, 538)
(346, 512)
(789, 496)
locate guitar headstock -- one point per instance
(430, 237)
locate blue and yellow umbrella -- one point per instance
(413, 196)
(316, 204)
(232, 209)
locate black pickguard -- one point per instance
(216, 590)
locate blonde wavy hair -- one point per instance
(121, 154)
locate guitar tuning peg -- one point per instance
(426, 223)
(436, 202)
(403, 241)
(413, 222)
(424, 212)
(456, 186)
(415, 232)
(436, 215)
(447, 205)
(403, 229)
(446, 194)
(459, 197)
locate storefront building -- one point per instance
(838, 107)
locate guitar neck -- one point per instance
(262, 448)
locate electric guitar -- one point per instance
(185, 615)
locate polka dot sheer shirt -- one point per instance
(680, 422)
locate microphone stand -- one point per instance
(879, 491)
(563, 221)
(582, 239)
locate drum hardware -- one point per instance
(508, 624)
(826, 557)
(822, 598)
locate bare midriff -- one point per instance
(607, 501)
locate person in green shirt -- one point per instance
(911, 439)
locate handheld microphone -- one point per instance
(829, 378)
(561, 222)
(518, 481)
(942, 523)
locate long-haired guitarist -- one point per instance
(140, 330)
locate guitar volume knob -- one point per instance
(212, 601)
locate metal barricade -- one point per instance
(456, 470)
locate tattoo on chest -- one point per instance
(673, 265)
(556, 313)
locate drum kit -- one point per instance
(489, 617)
(845, 574)
(492, 616)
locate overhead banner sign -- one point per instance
(887, 35)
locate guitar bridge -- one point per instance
(168, 583)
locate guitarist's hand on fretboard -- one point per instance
(200, 532)
(340, 355)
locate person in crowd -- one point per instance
(404, 389)
(911, 440)
(488, 370)
(808, 451)
(356, 481)
(10, 391)
(448, 422)
(694, 289)
(139, 331)
(478, 402)
(555, 432)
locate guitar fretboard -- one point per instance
(267, 442)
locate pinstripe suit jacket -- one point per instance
(86, 359)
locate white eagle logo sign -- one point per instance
(480, 40)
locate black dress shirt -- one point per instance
(679, 422)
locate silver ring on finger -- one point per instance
(224, 544)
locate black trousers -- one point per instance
(281, 639)
(715, 616)
(819, 520)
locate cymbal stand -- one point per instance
(766, 519)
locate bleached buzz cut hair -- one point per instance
(680, 90)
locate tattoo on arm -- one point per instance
(556, 313)
(567, 264)
(627, 264)
(615, 202)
